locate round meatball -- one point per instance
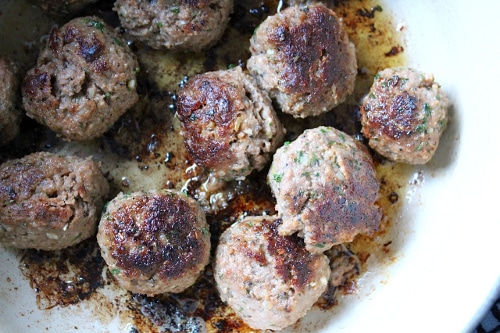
(269, 280)
(50, 202)
(85, 79)
(62, 7)
(179, 24)
(325, 187)
(303, 57)
(228, 124)
(154, 242)
(10, 115)
(404, 115)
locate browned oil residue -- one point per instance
(64, 277)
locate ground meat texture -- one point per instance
(180, 24)
(303, 57)
(62, 7)
(269, 280)
(228, 124)
(154, 242)
(404, 115)
(325, 187)
(49, 202)
(10, 115)
(85, 79)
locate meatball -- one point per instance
(179, 24)
(154, 242)
(50, 202)
(10, 115)
(325, 187)
(404, 115)
(85, 79)
(269, 280)
(228, 124)
(62, 7)
(303, 57)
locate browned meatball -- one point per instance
(85, 79)
(269, 280)
(154, 242)
(325, 187)
(50, 202)
(229, 125)
(10, 115)
(404, 115)
(184, 25)
(62, 7)
(303, 57)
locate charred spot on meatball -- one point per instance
(268, 279)
(304, 59)
(325, 187)
(84, 80)
(404, 115)
(154, 242)
(228, 124)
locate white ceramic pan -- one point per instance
(443, 269)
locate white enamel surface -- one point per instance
(448, 267)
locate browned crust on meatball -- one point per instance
(85, 79)
(228, 124)
(294, 264)
(268, 279)
(50, 202)
(308, 51)
(325, 187)
(154, 242)
(404, 115)
(207, 102)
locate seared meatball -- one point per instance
(228, 123)
(154, 242)
(179, 24)
(269, 280)
(84, 81)
(404, 115)
(49, 202)
(62, 7)
(325, 187)
(10, 115)
(303, 57)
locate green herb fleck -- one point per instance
(314, 160)
(278, 177)
(299, 157)
(427, 110)
(96, 24)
